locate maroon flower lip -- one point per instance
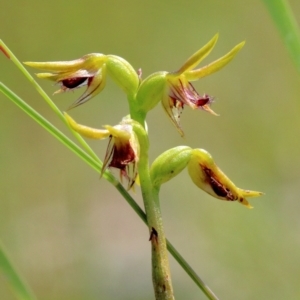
(123, 157)
(123, 148)
(72, 83)
(188, 95)
(181, 92)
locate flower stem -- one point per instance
(161, 275)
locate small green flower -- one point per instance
(90, 70)
(123, 149)
(174, 89)
(208, 177)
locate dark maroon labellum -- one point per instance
(73, 82)
(201, 101)
(217, 187)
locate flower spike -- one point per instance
(123, 148)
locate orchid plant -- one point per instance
(128, 145)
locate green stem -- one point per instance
(177, 256)
(161, 275)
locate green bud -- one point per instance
(151, 91)
(169, 164)
(123, 74)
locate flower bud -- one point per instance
(169, 164)
(123, 74)
(151, 91)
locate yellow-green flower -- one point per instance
(180, 91)
(174, 89)
(208, 177)
(123, 149)
(90, 70)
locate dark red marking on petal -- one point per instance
(4, 52)
(73, 82)
(218, 187)
(122, 156)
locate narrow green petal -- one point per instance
(57, 66)
(197, 57)
(92, 61)
(88, 132)
(50, 76)
(214, 66)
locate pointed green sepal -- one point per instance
(197, 57)
(86, 131)
(90, 61)
(214, 66)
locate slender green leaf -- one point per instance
(18, 285)
(288, 28)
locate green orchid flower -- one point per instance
(208, 177)
(91, 70)
(174, 89)
(123, 149)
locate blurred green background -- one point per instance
(71, 235)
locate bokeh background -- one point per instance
(73, 236)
